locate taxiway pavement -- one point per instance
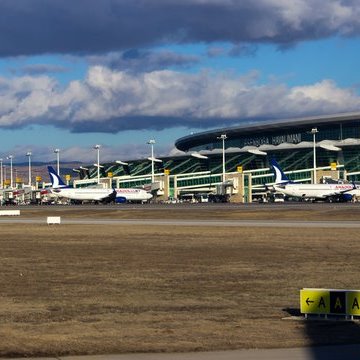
(341, 352)
(181, 222)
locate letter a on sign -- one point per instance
(337, 302)
(353, 303)
(338, 305)
(322, 303)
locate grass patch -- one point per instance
(75, 289)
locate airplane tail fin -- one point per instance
(280, 177)
(56, 181)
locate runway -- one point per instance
(198, 223)
(348, 352)
(303, 205)
(282, 215)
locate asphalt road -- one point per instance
(348, 352)
(179, 222)
(184, 206)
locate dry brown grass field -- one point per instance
(76, 289)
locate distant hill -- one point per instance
(21, 170)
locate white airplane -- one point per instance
(79, 194)
(132, 195)
(329, 192)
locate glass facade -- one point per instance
(269, 136)
(290, 142)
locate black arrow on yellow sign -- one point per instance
(308, 302)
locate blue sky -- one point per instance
(118, 73)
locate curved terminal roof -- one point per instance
(254, 128)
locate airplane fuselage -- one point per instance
(133, 194)
(83, 194)
(320, 191)
(331, 191)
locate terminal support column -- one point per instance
(244, 193)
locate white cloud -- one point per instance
(24, 99)
(110, 101)
(325, 96)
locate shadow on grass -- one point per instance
(335, 338)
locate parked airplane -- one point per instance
(79, 194)
(105, 195)
(329, 192)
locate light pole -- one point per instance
(1, 174)
(28, 154)
(151, 142)
(223, 137)
(97, 147)
(314, 131)
(10, 157)
(57, 152)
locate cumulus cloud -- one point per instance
(92, 26)
(112, 101)
(24, 99)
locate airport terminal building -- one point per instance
(290, 141)
(246, 149)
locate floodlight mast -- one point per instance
(151, 142)
(57, 152)
(97, 147)
(10, 157)
(314, 131)
(1, 174)
(28, 154)
(223, 137)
